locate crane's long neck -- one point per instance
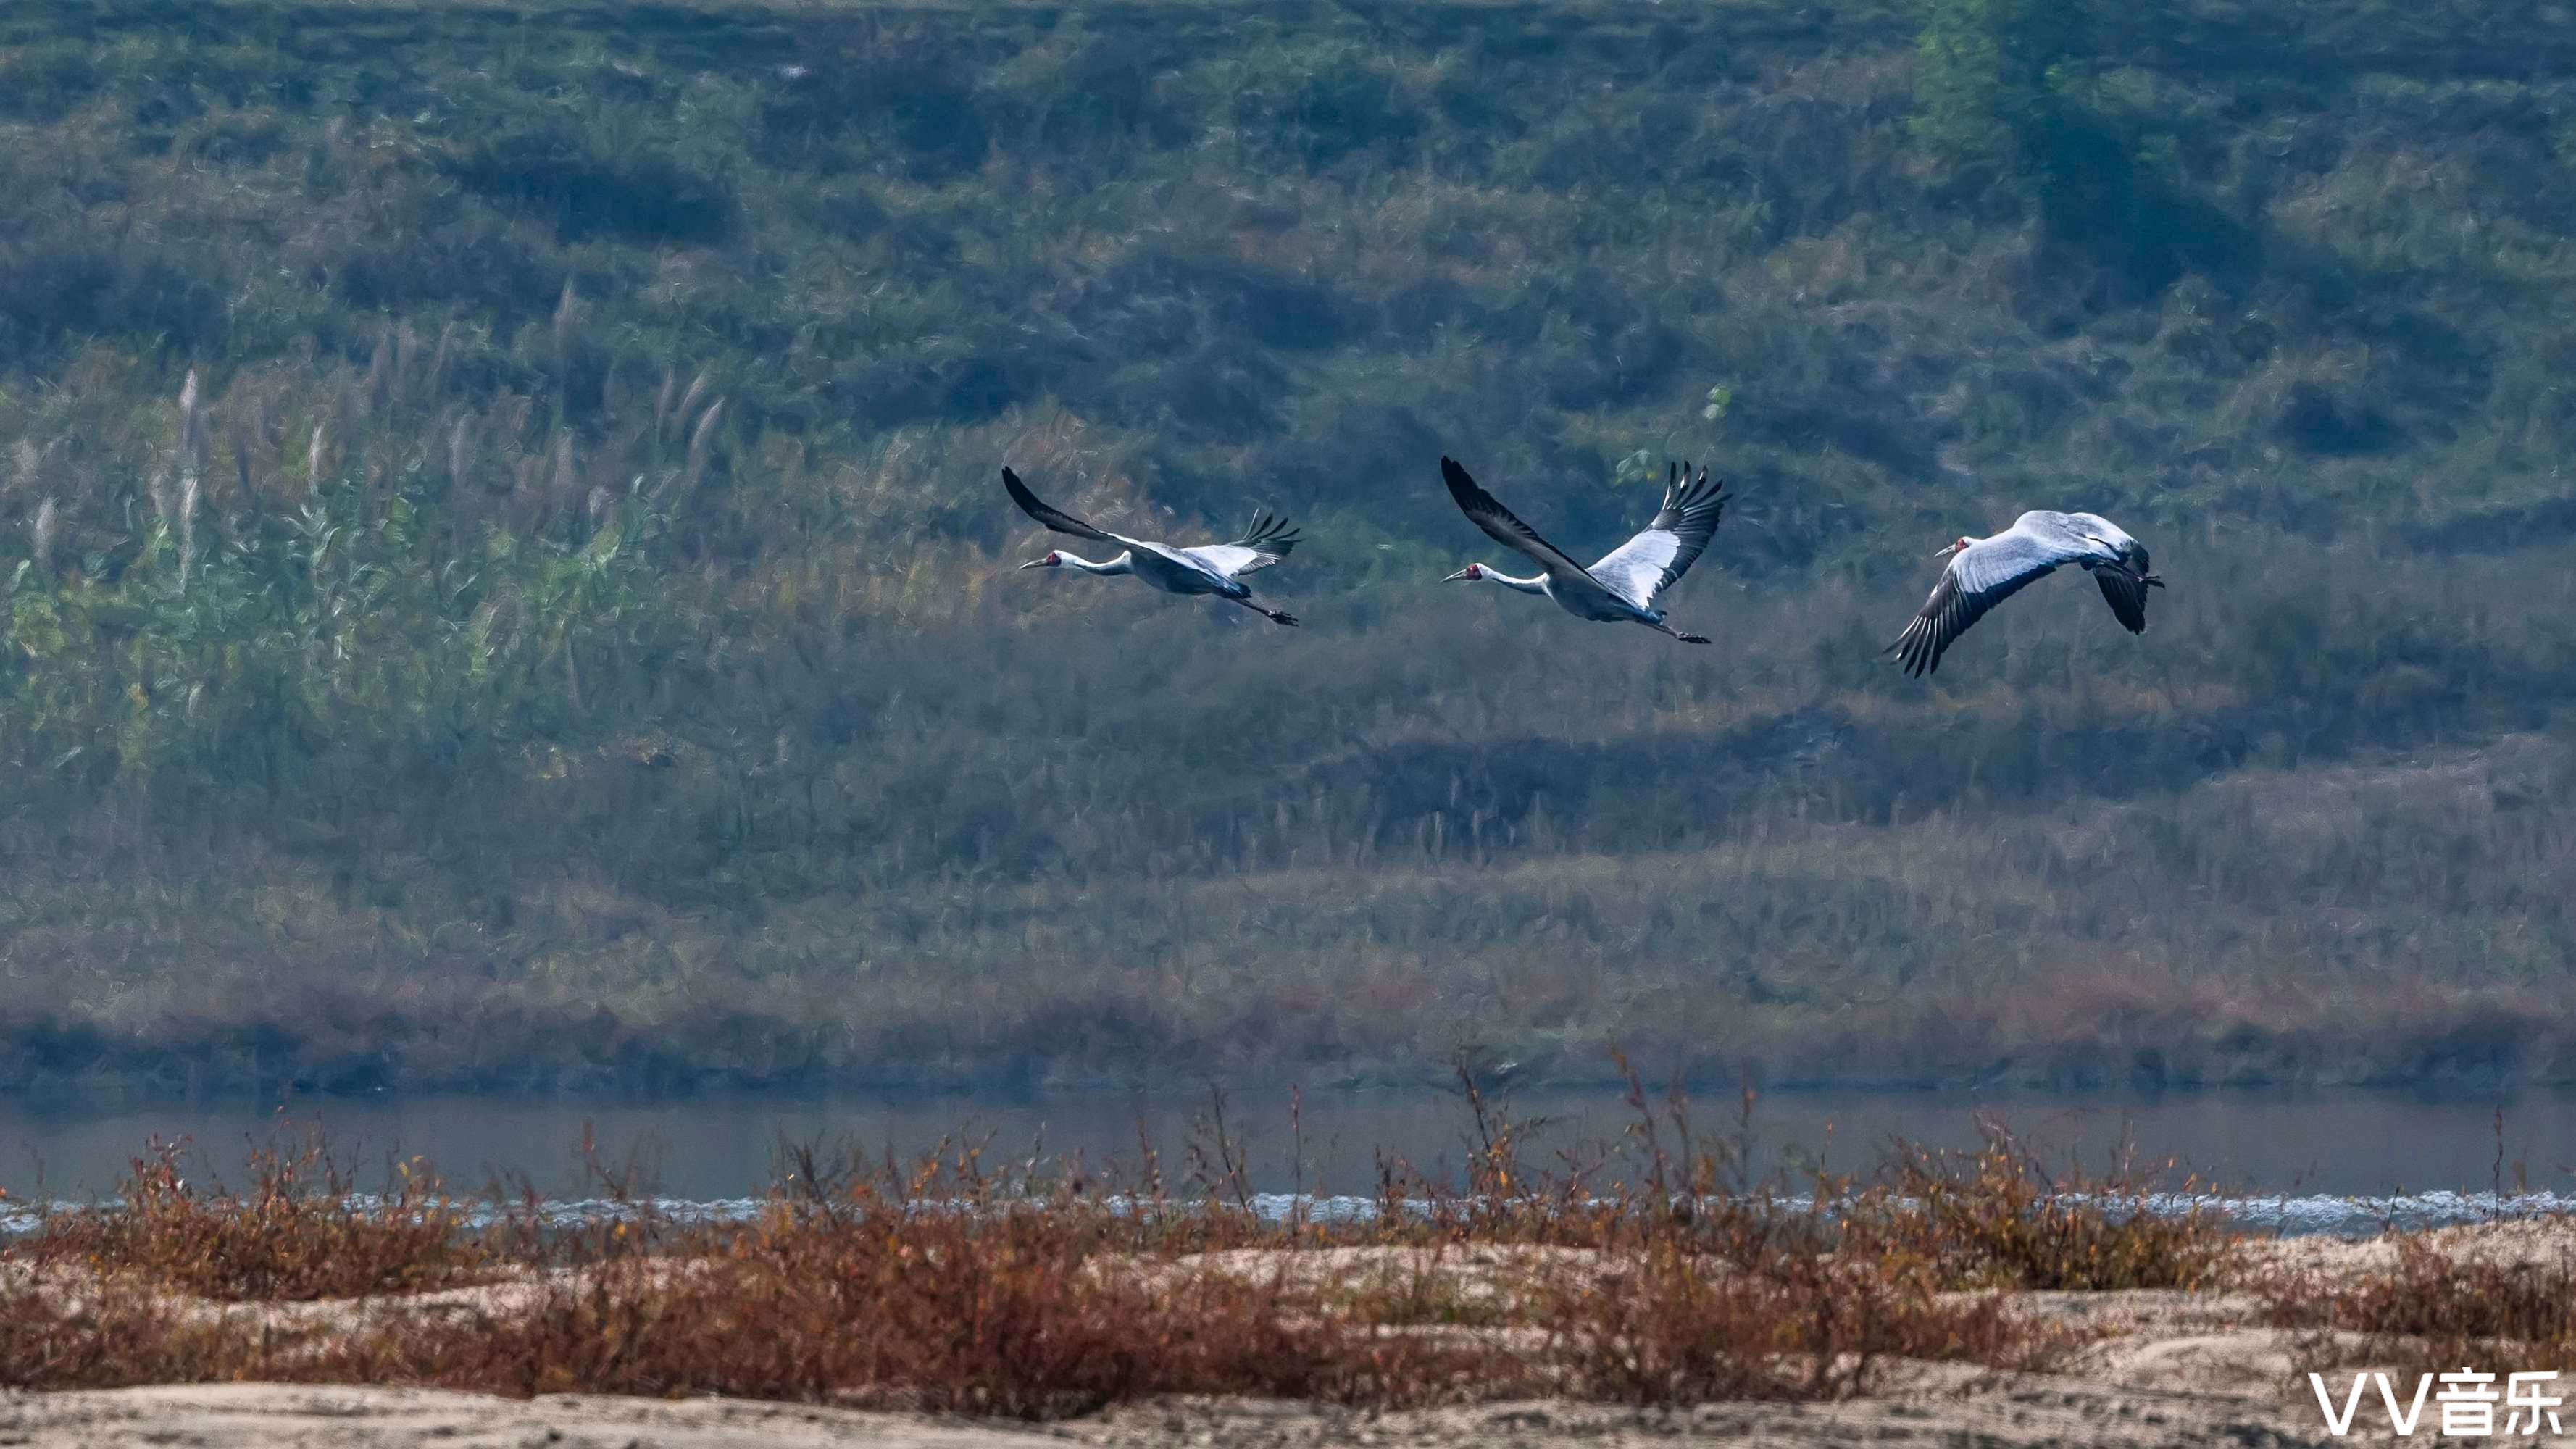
(1534, 584)
(1125, 563)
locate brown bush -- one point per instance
(2436, 1308)
(934, 1285)
(301, 1231)
(1993, 1218)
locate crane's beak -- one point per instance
(1035, 563)
(1461, 574)
(1946, 550)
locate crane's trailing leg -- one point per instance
(1273, 615)
(1685, 638)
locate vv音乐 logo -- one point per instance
(2469, 1404)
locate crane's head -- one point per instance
(1469, 574)
(1053, 560)
(1957, 546)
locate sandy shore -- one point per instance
(2178, 1379)
(2162, 1368)
(1945, 1408)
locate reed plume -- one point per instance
(371, 389)
(700, 441)
(191, 429)
(460, 454)
(41, 534)
(406, 352)
(567, 486)
(438, 363)
(565, 311)
(187, 527)
(690, 399)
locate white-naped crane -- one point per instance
(1623, 587)
(1983, 572)
(1215, 569)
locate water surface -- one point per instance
(2245, 1144)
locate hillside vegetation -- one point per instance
(507, 584)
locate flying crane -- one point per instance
(1983, 572)
(1624, 586)
(1214, 569)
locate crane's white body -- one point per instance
(1213, 569)
(1626, 586)
(1580, 595)
(1983, 572)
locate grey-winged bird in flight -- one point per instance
(1215, 569)
(1624, 587)
(1983, 572)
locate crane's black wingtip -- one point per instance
(1913, 656)
(1461, 487)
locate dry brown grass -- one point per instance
(301, 1231)
(51, 1338)
(1993, 1219)
(1630, 1273)
(1014, 1309)
(2442, 1300)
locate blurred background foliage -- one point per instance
(507, 585)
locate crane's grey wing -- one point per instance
(1229, 560)
(2126, 593)
(1182, 570)
(1643, 567)
(1265, 543)
(1978, 578)
(1499, 524)
(1054, 518)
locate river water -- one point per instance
(2306, 1161)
